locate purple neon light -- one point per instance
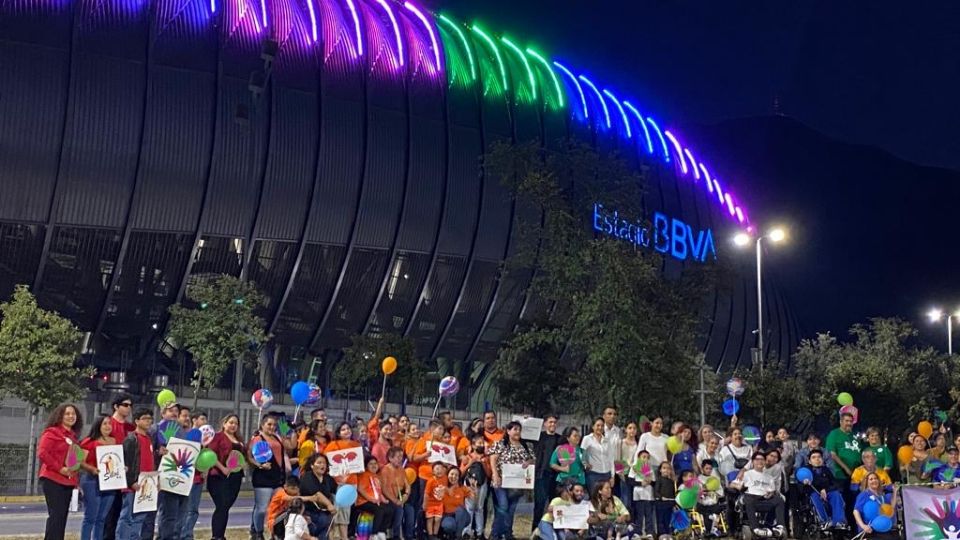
(706, 174)
(606, 111)
(693, 163)
(426, 23)
(663, 142)
(313, 20)
(583, 98)
(643, 124)
(396, 29)
(263, 12)
(730, 206)
(356, 26)
(739, 214)
(623, 115)
(716, 185)
(213, 6)
(676, 146)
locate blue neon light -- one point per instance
(706, 174)
(663, 142)
(643, 124)
(676, 146)
(623, 115)
(583, 98)
(669, 236)
(606, 111)
(693, 163)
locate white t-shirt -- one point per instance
(296, 527)
(657, 446)
(758, 483)
(643, 493)
(597, 454)
(729, 455)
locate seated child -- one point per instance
(278, 505)
(296, 527)
(710, 504)
(823, 488)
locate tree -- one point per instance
(360, 365)
(774, 396)
(38, 352)
(221, 329)
(539, 351)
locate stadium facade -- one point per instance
(328, 150)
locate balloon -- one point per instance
(851, 410)
(674, 444)
(886, 510)
(751, 434)
(679, 520)
(731, 407)
(449, 386)
(206, 434)
(194, 435)
(166, 397)
(644, 424)
(389, 365)
(261, 452)
(732, 476)
(411, 475)
(735, 387)
(687, 498)
(713, 484)
(881, 524)
(346, 496)
(804, 474)
(262, 398)
(844, 398)
(905, 455)
(206, 460)
(300, 392)
(925, 429)
(871, 510)
(313, 396)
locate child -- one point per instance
(643, 505)
(433, 499)
(664, 492)
(823, 488)
(279, 502)
(296, 527)
(709, 504)
(475, 469)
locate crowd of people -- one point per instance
(630, 478)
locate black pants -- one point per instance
(223, 491)
(382, 516)
(57, 497)
(755, 503)
(113, 517)
(544, 492)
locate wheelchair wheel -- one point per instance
(746, 533)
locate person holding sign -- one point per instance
(566, 516)
(138, 457)
(510, 450)
(224, 479)
(343, 441)
(57, 455)
(96, 503)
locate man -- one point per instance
(802, 458)
(198, 419)
(869, 466)
(138, 456)
(822, 488)
(760, 495)
(446, 418)
(545, 484)
(844, 450)
(947, 476)
(572, 494)
(612, 439)
(119, 421)
(491, 432)
(171, 508)
(189, 420)
(183, 418)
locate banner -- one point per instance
(930, 514)
(145, 498)
(111, 466)
(346, 461)
(444, 453)
(178, 465)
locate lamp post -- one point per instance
(775, 235)
(936, 315)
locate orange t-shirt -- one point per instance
(463, 447)
(454, 498)
(394, 482)
(433, 496)
(456, 434)
(370, 483)
(343, 444)
(409, 445)
(424, 468)
(492, 437)
(278, 503)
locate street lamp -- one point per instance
(742, 239)
(936, 315)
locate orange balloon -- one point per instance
(886, 510)
(905, 455)
(389, 365)
(925, 429)
(411, 475)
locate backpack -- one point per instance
(475, 472)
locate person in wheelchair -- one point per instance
(824, 489)
(709, 504)
(760, 494)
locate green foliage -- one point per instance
(220, 330)
(773, 397)
(538, 351)
(360, 366)
(38, 351)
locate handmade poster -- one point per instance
(346, 461)
(111, 466)
(145, 499)
(75, 457)
(530, 428)
(178, 465)
(571, 516)
(513, 476)
(443, 453)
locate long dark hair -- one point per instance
(340, 427)
(238, 435)
(56, 418)
(96, 428)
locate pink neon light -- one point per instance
(396, 29)
(313, 20)
(426, 23)
(693, 163)
(730, 205)
(706, 174)
(716, 184)
(676, 146)
(263, 12)
(739, 214)
(356, 26)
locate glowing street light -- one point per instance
(742, 240)
(936, 315)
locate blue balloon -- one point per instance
(881, 524)
(261, 452)
(804, 474)
(732, 476)
(194, 435)
(731, 407)
(300, 392)
(346, 496)
(871, 510)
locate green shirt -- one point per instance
(576, 467)
(847, 448)
(884, 456)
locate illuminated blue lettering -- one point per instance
(678, 239)
(708, 247)
(669, 235)
(661, 234)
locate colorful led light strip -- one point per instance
(643, 124)
(546, 65)
(693, 163)
(433, 35)
(356, 26)
(263, 12)
(623, 115)
(676, 146)
(583, 98)
(396, 29)
(526, 64)
(606, 112)
(730, 207)
(466, 44)
(313, 20)
(706, 174)
(716, 184)
(496, 52)
(663, 142)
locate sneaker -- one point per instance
(779, 531)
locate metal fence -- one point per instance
(14, 460)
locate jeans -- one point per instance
(57, 497)
(319, 521)
(755, 503)
(192, 512)
(664, 510)
(130, 524)
(224, 493)
(382, 516)
(149, 523)
(504, 508)
(261, 498)
(403, 521)
(96, 506)
(113, 517)
(172, 509)
(547, 532)
(474, 508)
(594, 478)
(456, 523)
(643, 517)
(837, 510)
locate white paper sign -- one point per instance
(178, 465)
(571, 516)
(113, 472)
(346, 461)
(530, 428)
(443, 453)
(515, 476)
(145, 499)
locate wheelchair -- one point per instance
(698, 523)
(767, 521)
(805, 524)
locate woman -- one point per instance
(874, 493)
(342, 519)
(313, 443)
(710, 449)
(266, 477)
(370, 499)
(685, 459)
(628, 456)
(223, 484)
(96, 503)
(788, 450)
(313, 481)
(475, 428)
(916, 471)
(509, 450)
(598, 464)
(456, 518)
(939, 446)
(610, 516)
(704, 434)
(56, 480)
(567, 459)
(654, 442)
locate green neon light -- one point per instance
(466, 45)
(526, 64)
(546, 65)
(496, 52)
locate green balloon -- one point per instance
(687, 498)
(166, 397)
(206, 460)
(844, 398)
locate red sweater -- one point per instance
(52, 454)
(222, 446)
